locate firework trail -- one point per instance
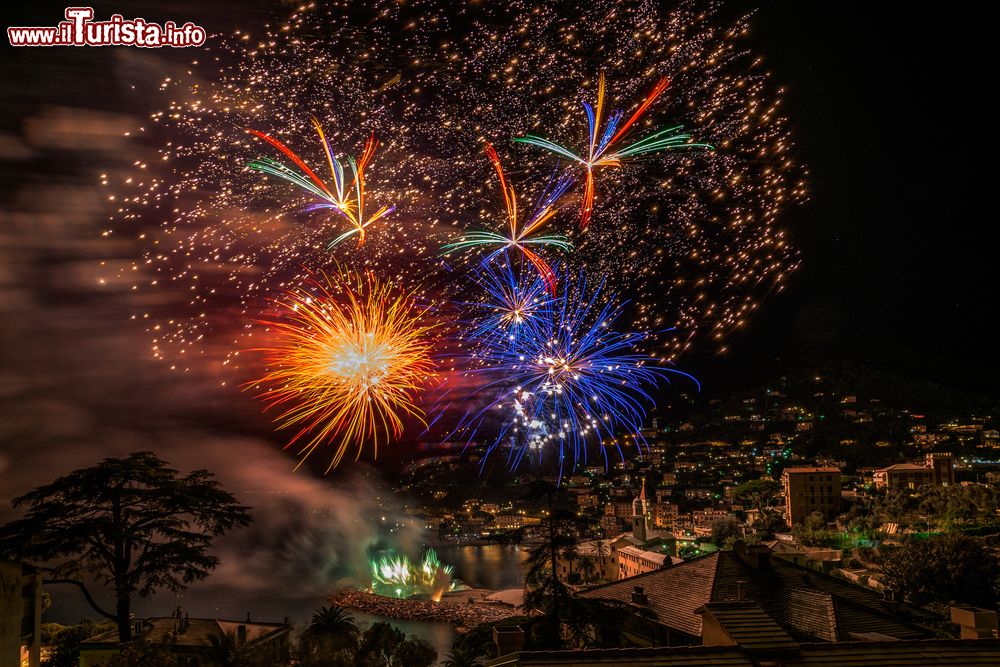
(694, 245)
(601, 150)
(521, 238)
(335, 199)
(697, 244)
(205, 245)
(571, 381)
(348, 361)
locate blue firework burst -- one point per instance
(569, 381)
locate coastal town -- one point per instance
(811, 466)
(762, 509)
(844, 492)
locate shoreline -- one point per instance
(461, 614)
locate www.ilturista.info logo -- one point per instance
(80, 30)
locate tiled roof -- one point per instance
(806, 603)
(653, 556)
(749, 627)
(779, 547)
(689, 656)
(918, 653)
(198, 631)
(923, 653)
(812, 613)
(674, 598)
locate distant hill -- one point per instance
(847, 378)
(892, 389)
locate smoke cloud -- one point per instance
(78, 381)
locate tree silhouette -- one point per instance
(943, 570)
(459, 658)
(133, 523)
(331, 631)
(588, 569)
(758, 492)
(383, 645)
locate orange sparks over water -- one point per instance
(348, 360)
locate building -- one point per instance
(641, 519)
(645, 549)
(903, 476)
(641, 550)
(815, 558)
(194, 642)
(744, 640)
(20, 614)
(508, 522)
(938, 469)
(704, 518)
(807, 604)
(809, 490)
(610, 525)
(665, 515)
(633, 561)
(942, 467)
(595, 557)
(619, 510)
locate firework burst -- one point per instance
(346, 365)
(205, 246)
(515, 302)
(695, 245)
(336, 198)
(399, 577)
(602, 151)
(571, 380)
(519, 237)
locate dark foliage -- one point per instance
(134, 524)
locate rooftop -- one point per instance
(809, 605)
(922, 653)
(746, 625)
(193, 631)
(902, 467)
(647, 555)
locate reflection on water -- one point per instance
(495, 566)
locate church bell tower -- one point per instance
(640, 515)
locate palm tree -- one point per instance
(587, 568)
(331, 629)
(459, 658)
(570, 552)
(602, 551)
(227, 651)
(333, 620)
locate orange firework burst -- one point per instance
(348, 360)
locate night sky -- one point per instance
(899, 257)
(898, 268)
